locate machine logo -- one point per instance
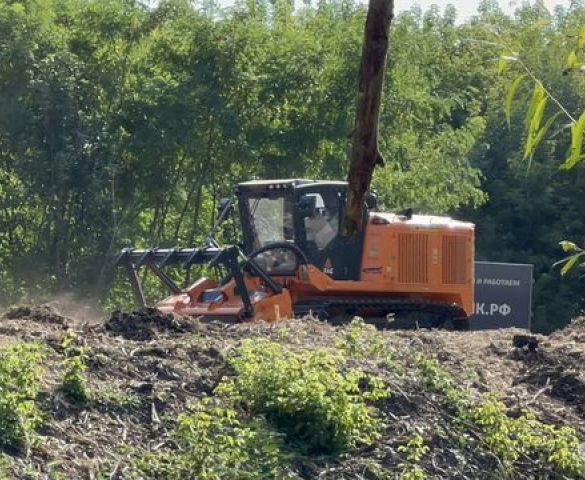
(328, 267)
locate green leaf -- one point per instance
(572, 261)
(534, 126)
(535, 142)
(538, 114)
(572, 162)
(581, 42)
(572, 61)
(569, 246)
(511, 94)
(576, 155)
(537, 96)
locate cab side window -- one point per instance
(323, 225)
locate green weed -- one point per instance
(510, 439)
(361, 340)
(74, 381)
(305, 394)
(20, 371)
(215, 443)
(414, 451)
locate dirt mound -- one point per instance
(37, 313)
(555, 369)
(575, 331)
(148, 324)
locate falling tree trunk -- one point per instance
(365, 153)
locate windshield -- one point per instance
(271, 219)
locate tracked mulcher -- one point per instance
(400, 270)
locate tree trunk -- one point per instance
(365, 153)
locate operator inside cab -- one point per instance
(322, 226)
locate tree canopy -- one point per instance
(122, 124)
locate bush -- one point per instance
(361, 340)
(19, 386)
(215, 444)
(305, 394)
(512, 440)
(74, 381)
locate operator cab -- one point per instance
(306, 213)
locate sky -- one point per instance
(467, 8)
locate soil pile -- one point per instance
(145, 368)
(37, 313)
(149, 323)
(31, 323)
(572, 333)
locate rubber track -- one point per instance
(326, 309)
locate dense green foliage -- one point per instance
(122, 125)
(305, 394)
(74, 384)
(20, 371)
(513, 439)
(562, 120)
(217, 443)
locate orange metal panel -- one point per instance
(419, 259)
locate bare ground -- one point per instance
(146, 367)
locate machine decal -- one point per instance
(328, 267)
(377, 270)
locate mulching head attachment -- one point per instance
(248, 292)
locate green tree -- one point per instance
(533, 161)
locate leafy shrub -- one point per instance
(362, 340)
(19, 386)
(305, 394)
(74, 381)
(216, 444)
(414, 450)
(440, 381)
(510, 439)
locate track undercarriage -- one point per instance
(386, 313)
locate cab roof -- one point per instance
(287, 183)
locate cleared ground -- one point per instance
(144, 368)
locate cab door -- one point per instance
(318, 217)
